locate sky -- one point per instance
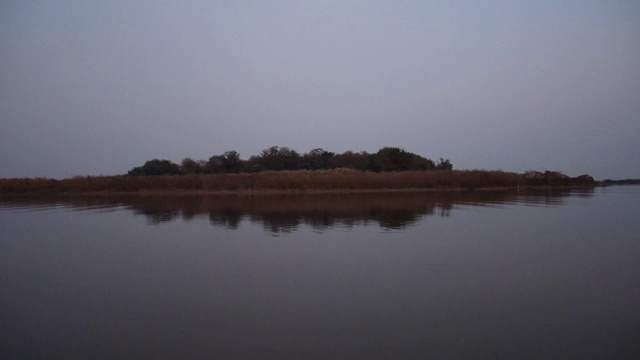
(100, 87)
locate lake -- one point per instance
(453, 275)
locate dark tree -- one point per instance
(190, 166)
(279, 158)
(215, 164)
(231, 161)
(317, 159)
(352, 160)
(253, 165)
(421, 163)
(393, 159)
(156, 167)
(444, 164)
(283, 158)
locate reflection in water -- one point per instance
(471, 275)
(286, 213)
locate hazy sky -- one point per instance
(98, 87)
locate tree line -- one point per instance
(276, 158)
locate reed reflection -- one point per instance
(287, 213)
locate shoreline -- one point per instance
(339, 181)
(277, 192)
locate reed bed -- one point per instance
(270, 181)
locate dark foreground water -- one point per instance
(480, 275)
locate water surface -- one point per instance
(551, 275)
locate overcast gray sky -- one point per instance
(98, 87)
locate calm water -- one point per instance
(551, 275)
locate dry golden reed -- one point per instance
(271, 181)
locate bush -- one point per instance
(156, 167)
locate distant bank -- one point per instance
(620, 182)
(336, 180)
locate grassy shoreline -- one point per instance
(285, 182)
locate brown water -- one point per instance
(549, 275)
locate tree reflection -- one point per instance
(288, 213)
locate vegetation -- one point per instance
(286, 181)
(621, 182)
(156, 167)
(277, 158)
(281, 169)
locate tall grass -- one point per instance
(271, 181)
